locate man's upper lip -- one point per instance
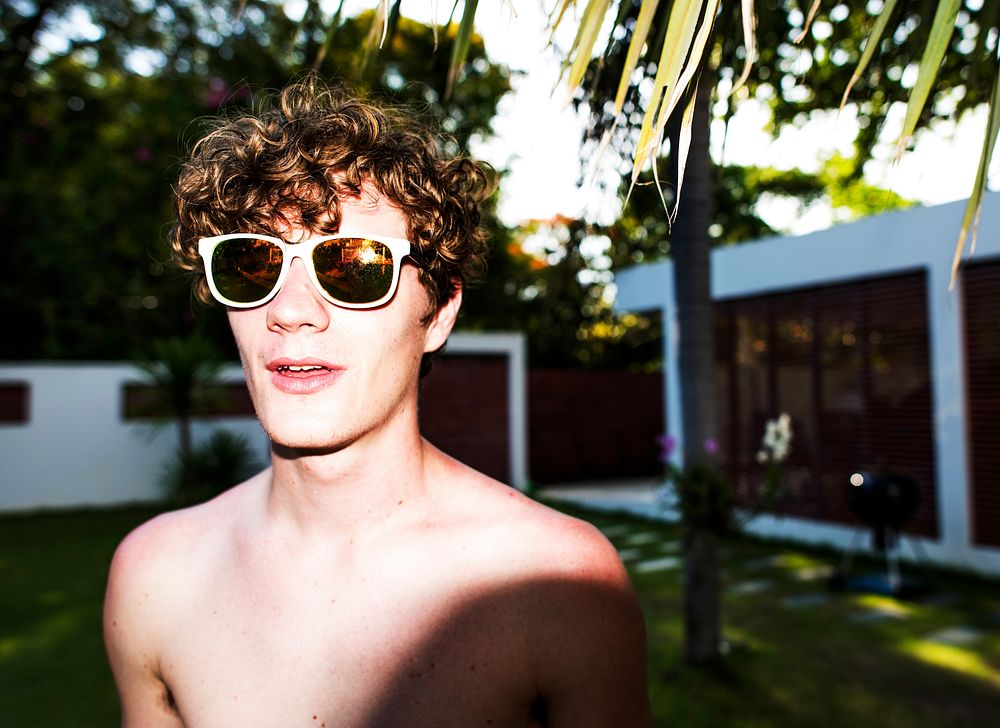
(276, 364)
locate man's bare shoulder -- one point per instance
(531, 536)
(577, 611)
(168, 546)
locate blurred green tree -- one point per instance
(99, 102)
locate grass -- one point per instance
(800, 656)
(53, 566)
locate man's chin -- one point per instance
(291, 442)
(292, 449)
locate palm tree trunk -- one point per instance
(691, 249)
(702, 607)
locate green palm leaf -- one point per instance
(930, 62)
(460, 50)
(970, 220)
(870, 45)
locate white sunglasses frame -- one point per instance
(399, 247)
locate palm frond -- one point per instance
(871, 44)
(642, 26)
(460, 50)
(930, 62)
(678, 66)
(583, 45)
(749, 42)
(970, 220)
(681, 27)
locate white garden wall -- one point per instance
(76, 449)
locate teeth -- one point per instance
(307, 368)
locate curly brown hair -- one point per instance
(304, 149)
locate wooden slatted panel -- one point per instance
(793, 379)
(841, 413)
(14, 406)
(899, 394)
(464, 411)
(850, 363)
(981, 303)
(587, 425)
(146, 402)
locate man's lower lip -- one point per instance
(304, 382)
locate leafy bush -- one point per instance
(217, 464)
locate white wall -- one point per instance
(77, 450)
(917, 239)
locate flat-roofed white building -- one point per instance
(853, 330)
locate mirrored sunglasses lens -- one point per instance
(354, 270)
(245, 270)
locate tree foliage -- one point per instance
(100, 97)
(939, 57)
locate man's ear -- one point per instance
(443, 321)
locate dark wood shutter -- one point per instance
(464, 411)
(146, 402)
(981, 309)
(594, 424)
(850, 363)
(14, 402)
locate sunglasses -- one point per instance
(351, 271)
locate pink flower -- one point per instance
(216, 93)
(667, 445)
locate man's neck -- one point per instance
(343, 494)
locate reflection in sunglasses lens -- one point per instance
(246, 269)
(354, 270)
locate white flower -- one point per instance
(770, 434)
(774, 445)
(780, 452)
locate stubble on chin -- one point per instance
(297, 435)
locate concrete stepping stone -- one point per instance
(878, 613)
(617, 530)
(630, 554)
(956, 636)
(751, 586)
(643, 538)
(814, 573)
(664, 563)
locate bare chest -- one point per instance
(396, 646)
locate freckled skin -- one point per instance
(366, 578)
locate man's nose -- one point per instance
(298, 304)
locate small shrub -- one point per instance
(217, 464)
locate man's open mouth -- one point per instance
(307, 369)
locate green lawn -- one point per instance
(803, 656)
(52, 570)
(800, 655)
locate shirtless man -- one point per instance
(365, 578)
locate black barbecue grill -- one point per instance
(884, 502)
